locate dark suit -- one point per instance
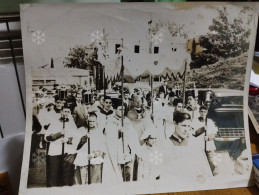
(163, 89)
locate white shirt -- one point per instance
(56, 126)
(97, 143)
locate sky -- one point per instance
(67, 25)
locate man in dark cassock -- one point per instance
(71, 100)
(163, 88)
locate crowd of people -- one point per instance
(127, 138)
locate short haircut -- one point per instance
(78, 94)
(117, 103)
(57, 98)
(107, 98)
(92, 114)
(100, 97)
(179, 117)
(172, 94)
(65, 106)
(203, 107)
(189, 93)
(125, 108)
(177, 101)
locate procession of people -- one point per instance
(102, 138)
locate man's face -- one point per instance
(49, 95)
(182, 129)
(165, 83)
(171, 99)
(137, 102)
(137, 92)
(179, 107)
(118, 111)
(65, 112)
(107, 104)
(102, 101)
(58, 104)
(242, 164)
(92, 121)
(203, 113)
(79, 98)
(161, 95)
(51, 107)
(190, 100)
(126, 96)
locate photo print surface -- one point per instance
(136, 98)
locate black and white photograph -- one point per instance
(136, 98)
(253, 111)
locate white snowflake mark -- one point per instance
(156, 157)
(216, 159)
(38, 37)
(38, 158)
(97, 37)
(157, 38)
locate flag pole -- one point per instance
(63, 148)
(184, 81)
(122, 109)
(89, 163)
(151, 76)
(152, 99)
(104, 81)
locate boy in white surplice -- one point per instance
(62, 147)
(93, 155)
(122, 144)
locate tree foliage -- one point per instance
(81, 57)
(228, 37)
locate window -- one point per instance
(38, 82)
(156, 49)
(50, 82)
(156, 79)
(136, 49)
(117, 48)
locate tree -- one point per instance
(81, 57)
(228, 37)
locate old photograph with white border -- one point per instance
(136, 98)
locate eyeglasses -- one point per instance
(108, 102)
